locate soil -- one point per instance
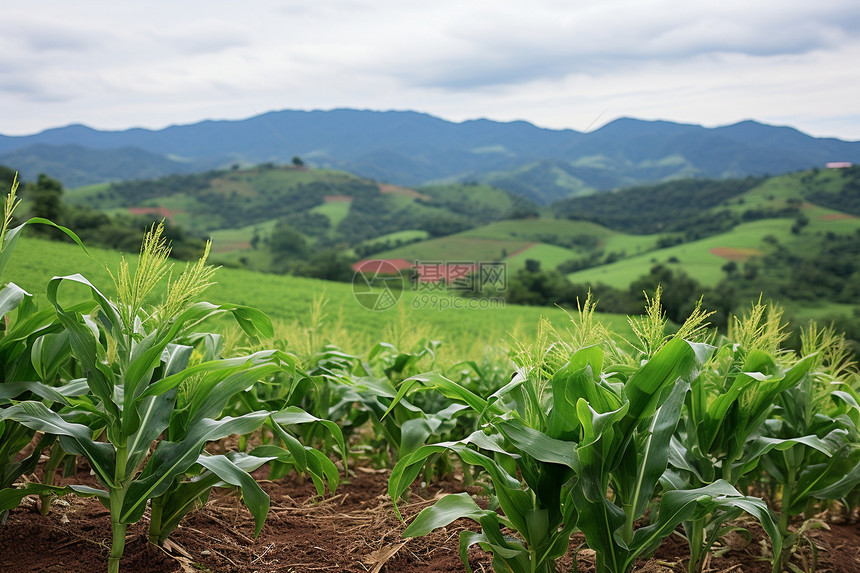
(354, 530)
(735, 254)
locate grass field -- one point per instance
(456, 248)
(336, 211)
(289, 302)
(550, 256)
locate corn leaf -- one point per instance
(253, 495)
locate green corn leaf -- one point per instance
(212, 392)
(446, 387)
(14, 440)
(508, 554)
(254, 322)
(85, 346)
(11, 497)
(171, 459)
(645, 389)
(841, 488)
(599, 520)
(761, 445)
(414, 432)
(75, 438)
(678, 506)
(236, 364)
(185, 496)
(294, 415)
(538, 445)
(11, 296)
(178, 502)
(682, 459)
(653, 455)
(48, 354)
(253, 495)
(58, 395)
(11, 238)
(568, 386)
(322, 468)
(154, 413)
(444, 512)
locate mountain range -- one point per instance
(412, 149)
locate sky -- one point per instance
(554, 63)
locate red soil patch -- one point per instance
(383, 266)
(337, 198)
(233, 246)
(162, 212)
(836, 217)
(395, 190)
(735, 253)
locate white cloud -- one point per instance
(555, 63)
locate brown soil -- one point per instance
(385, 188)
(735, 254)
(354, 530)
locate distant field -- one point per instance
(550, 256)
(563, 229)
(336, 211)
(479, 194)
(456, 248)
(407, 235)
(229, 240)
(701, 259)
(534, 229)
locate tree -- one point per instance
(297, 161)
(47, 198)
(287, 243)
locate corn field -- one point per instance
(679, 431)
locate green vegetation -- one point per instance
(591, 432)
(588, 435)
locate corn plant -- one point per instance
(135, 366)
(573, 426)
(357, 391)
(723, 432)
(821, 405)
(33, 355)
(208, 393)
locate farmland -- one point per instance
(436, 415)
(533, 422)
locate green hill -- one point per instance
(240, 208)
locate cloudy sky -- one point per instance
(555, 63)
